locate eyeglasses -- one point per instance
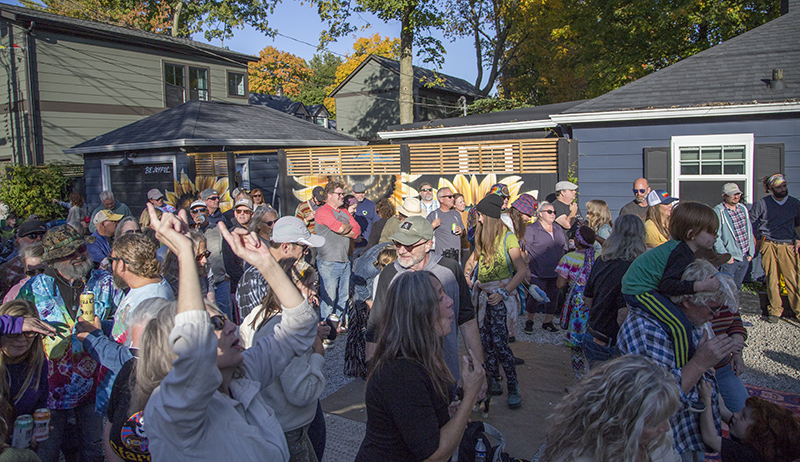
(269, 223)
(203, 255)
(26, 334)
(715, 309)
(218, 322)
(199, 210)
(245, 211)
(258, 195)
(640, 191)
(410, 247)
(426, 189)
(213, 198)
(338, 193)
(448, 197)
(551, 212)
(34, 270)
(133, 231)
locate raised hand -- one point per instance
(247, 246)
(31, 324)
(170, 231)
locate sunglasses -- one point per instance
(26, 334)
(34, 236)
(410, 247)
(218, 322)
(35, 270)
(199, 210)
(640, 191)
(213, 198)
(80, 249)
(426, 190)
(551, 212)
(133, 231)
(245, 211)
(203, 255)
(258, 195)
(448, 197)
(269, 223)
(338, 193)
(113, 259)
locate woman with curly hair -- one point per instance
(598, 217)
(761, 432)
(619, 412)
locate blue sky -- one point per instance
(300, 21)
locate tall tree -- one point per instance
(362, 47)
(276, 68)
(415, 16)
(217, 19)
(323, 74)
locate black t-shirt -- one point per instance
(604, 287)
(736, 451)
(127, 438)
(404, 414)
(560, 209)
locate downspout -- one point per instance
(34, 117)
(18, 144)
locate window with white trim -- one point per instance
(702, 164)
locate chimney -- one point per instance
(789, 5)
(777, 82)
(279, 91)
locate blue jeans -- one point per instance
(731, 388)
(222, 292)
(334, 287)
(595, 353)
(88, 433)
(317, 432)
(737, 269)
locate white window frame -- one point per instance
(245, 164)
(106, 162)
(739, 139)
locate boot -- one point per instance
(514, 398)
(494, 386)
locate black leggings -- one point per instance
(548, 285)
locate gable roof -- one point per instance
(318, 110)
(731, 73)
(215, 123)
(422, 77)
(110, 32)
(279, 103)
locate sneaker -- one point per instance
(528, 327)
(328, 344)
(549, 327)
(514, 398)
(512, 339)
(519, 361)
(772, 319)
(494, 386)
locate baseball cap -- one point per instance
(208, 193)
(659, 196)
(359, 187)
(31, 227)
(244, 203)
(729, 189)
(154, 194)
(319, 193)
(198, 204)
(292, 229)
(412, 230)
(104, 215)
(566, 186)
(491, 206)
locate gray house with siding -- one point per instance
(367, 101)
(728, 114)
(69, 80)
(197, 145)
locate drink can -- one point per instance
(87, 306)
(41, 424)
(453, 228)
(23, 432)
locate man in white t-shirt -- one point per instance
(135, 267)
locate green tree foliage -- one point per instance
(486, 105)
(217, 19)
(323, 74)
(27, 190)
(576, 49)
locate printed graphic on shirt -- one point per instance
(134, 440)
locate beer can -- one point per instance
(41, 424)
(453, 228)
(23, 432)
(87, 306)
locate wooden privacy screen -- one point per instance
(213, 164)
(357, 160)
(512, 156)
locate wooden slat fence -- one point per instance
(511, 156)
(357, 160)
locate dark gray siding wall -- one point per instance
(611, 157)
(264, 173)
(368, 102)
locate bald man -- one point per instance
(638, 206)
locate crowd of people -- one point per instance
(215, 325)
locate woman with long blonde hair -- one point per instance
(598, 218)
(620, 412)
(656, 225)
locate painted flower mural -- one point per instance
(186, 191)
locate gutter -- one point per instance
(677, 113)
(208, 142)
(469, 129)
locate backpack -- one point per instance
(478, 429)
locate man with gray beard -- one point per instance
(73, 375)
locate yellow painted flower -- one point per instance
(186, 191)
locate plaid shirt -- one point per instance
(643, 335)
(74, 375)
(739, 224)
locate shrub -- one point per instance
(27, 190)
